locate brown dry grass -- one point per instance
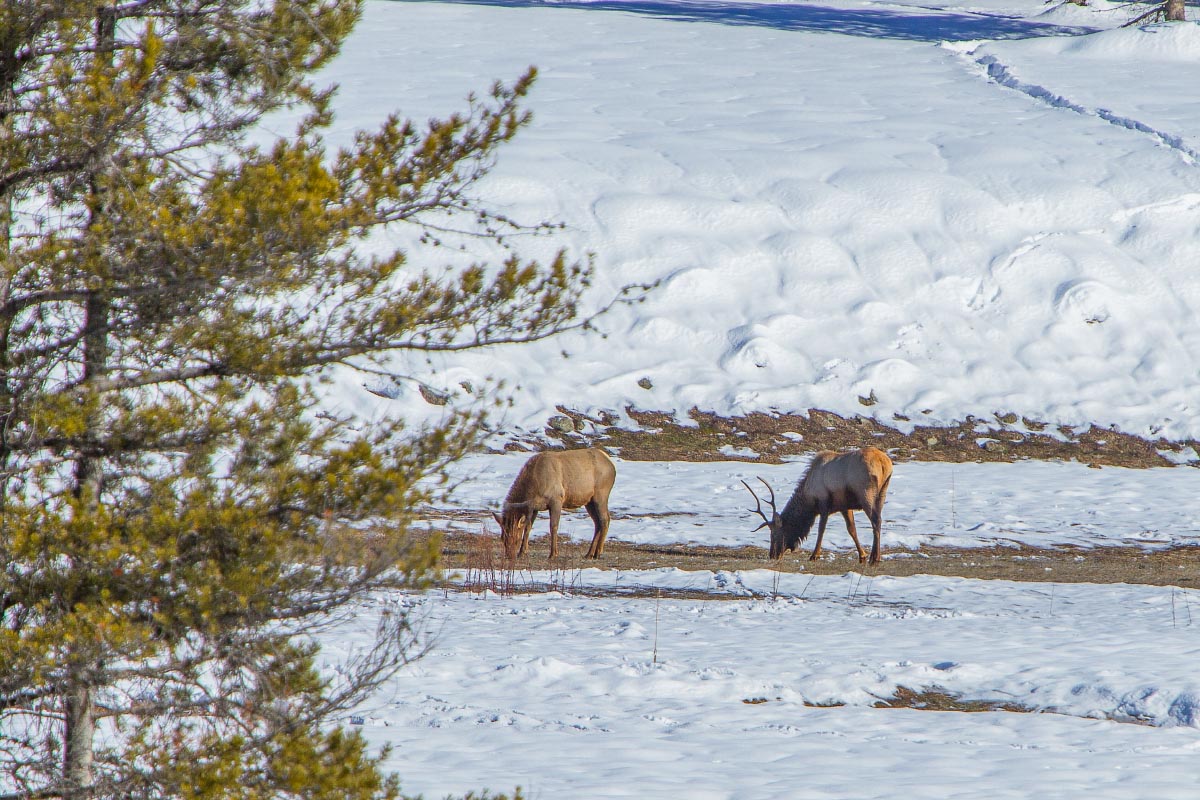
(1178, 566)
(1003, 437)
(929, 698)
(935, 698)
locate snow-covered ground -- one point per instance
(837, 198)
(964, 207)
(619, 697)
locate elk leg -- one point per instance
(876, 516)
(555, 514)
(849, 517)
(816, 553)
(600, 517)
(605, 521)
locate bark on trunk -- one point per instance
(1173, 11)
(79, 717)
(8, 77)
(79, 733)
(89, 470)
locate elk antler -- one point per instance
(758, 504)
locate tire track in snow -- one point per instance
(998, 73)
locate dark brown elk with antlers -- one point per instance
(834, 482)
(551, 482)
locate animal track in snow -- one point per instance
(1000, 74)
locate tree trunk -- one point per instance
(78, 735)
(1173, 11)
(8, 73)
(88, 469)
(79, 728)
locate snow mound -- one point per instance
(1165, 42)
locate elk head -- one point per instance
(774, 522)
(515, 522)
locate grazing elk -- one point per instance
(551, 482)
(842, 482)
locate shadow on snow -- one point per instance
(922, 26)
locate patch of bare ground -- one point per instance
(774, 437)
(935, 698)
(1179, 566)
(930, 698)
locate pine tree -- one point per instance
(172, 297)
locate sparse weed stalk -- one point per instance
(557, 581)
(953, 509)
(856, 585)
(852, 592)
(1177, 619)
(565, 581)
(487, 569)
(657, 604)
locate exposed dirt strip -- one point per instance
(1179, 566)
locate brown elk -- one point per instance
(833, 482)
(551, 482)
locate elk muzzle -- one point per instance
(778, 546)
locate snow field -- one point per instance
(620, 697)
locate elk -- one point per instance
(551, 482)
(841, 482)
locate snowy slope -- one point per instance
(838, 199)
